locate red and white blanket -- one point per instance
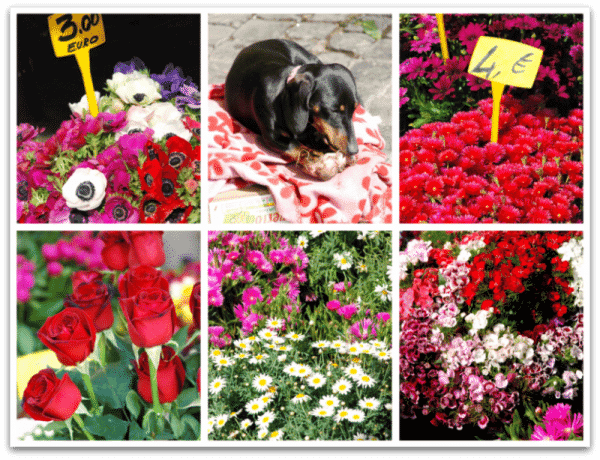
(360, 193)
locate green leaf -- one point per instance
(188, 398)
(135, 432)
(150, 423)
(112, 384)
(134, 403)
(46, 309)
(370, 28)
(192, 422)
(26, 340)
(179, 339)
(177, 426)
(107, 426)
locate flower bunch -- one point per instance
(431, 89)
(111, 328)
(138, 160)
(276, 386)
(267, 272)
(306, 325)
(450, 172)
(488, 325)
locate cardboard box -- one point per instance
(251, 205)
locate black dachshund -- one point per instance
(278, 89)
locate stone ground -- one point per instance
(334, 38)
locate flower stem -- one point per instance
(90, 389)
(82, 426)
(154, 354)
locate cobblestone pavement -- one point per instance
(332, 37)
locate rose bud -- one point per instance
(47, 398)
(170, 376)
(139, 278)
(91, 295)
(151, 317)
(115, 253)
(146, 249)
(70, 334)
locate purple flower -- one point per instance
(347, 310)
(25, 278)
(190, 96)
(403, 100)
(129, 66)
(170, 81)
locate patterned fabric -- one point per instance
(360, 193)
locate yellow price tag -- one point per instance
(77, 34)
(504, 62)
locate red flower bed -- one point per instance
(451, 173)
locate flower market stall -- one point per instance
(491, 335)
(136, 160)
(450, 169)
(118, 358)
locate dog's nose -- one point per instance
(352, 146)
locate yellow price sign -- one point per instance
(77, 34)
(504, 62)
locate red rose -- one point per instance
(91, 295)
(47, 398)
(195, 305)
(140, 278)
(170, 376)
(150, 316)
(146, 249)
(131, 249)
(115, 253)
(70, 334)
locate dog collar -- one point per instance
(293, 74)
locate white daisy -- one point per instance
(343, 261)
(354, 371)
(254, 406)
(302, 242)
(251, 338)
(283, 348)
(217, 385)
(221, 420)
(384, 292)
(242, 355)
(243, 344)
(267, 334)
(257, 359)
(356, 416)
(342, 414)
(304, 371)
(353, 349)
(330, 401)
(321, 344)
(315, 233)
(316, 380)
(342, 386)
(262, 433)
(300, 398)
(274, 323)
(265, 419)
(246, 423)
(369, 403)
(322, 411)
(382, 355)
(359, 437)
(362, 267)
(365, 381)
(291, 369)
(261, 382)
(276, 435)
(278, 340)
(216, 352)
(222, 361)
(295, 337)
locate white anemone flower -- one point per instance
(135, 88)
(85, 189)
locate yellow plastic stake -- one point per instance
(504, 62)
(77, 34)
(442, 34)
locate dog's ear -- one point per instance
(295, 101)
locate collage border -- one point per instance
(397, 443)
